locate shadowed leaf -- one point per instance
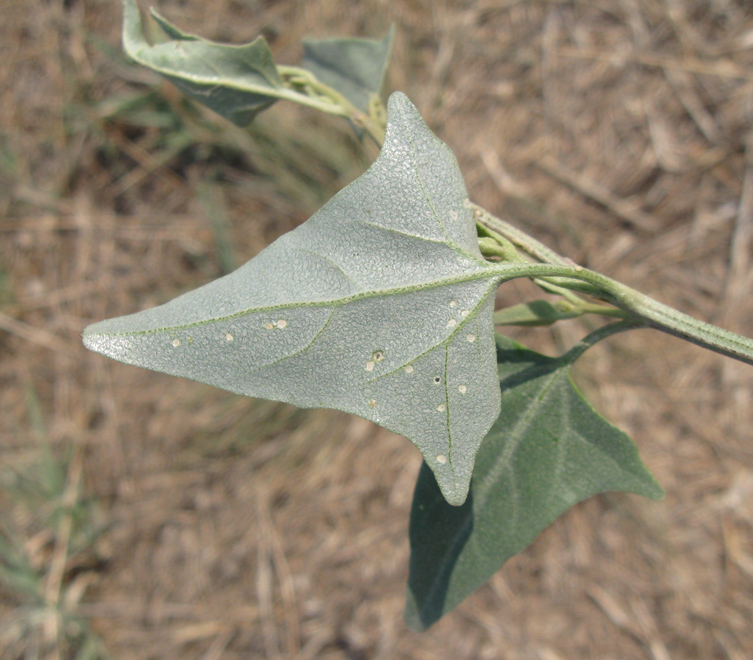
(353, 67)
(237, 82)
(548, 450)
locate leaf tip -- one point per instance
(454, 488)
(96, 339)
(456, 497)
(413, 619)
(656, 492)
(93, 340)
(399, 102)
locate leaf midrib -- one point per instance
(482, 273)
(492, 476)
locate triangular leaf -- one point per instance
(548, 450)
(353, 67)
(379, 305)
(235, 81)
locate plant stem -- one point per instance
(566, 274)
(519, 238)
(542, 312)
(644, 310)
(297, 79)
(504, 231)
(669, 320)
(595, 337)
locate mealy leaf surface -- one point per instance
(379, 305)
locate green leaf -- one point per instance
(535, 313)
(547, 451)
(353, 67)
(379, 305)
(235, 81)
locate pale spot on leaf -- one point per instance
(462, 389)
(370, 366)
(442, 459)
(282, 323)
(229, 337)
(471, 338)
(451, 323)
(440, 407)
(176, 342)
(409, 369)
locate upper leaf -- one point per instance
(548, 450)
(353, 67)
(379, 305)
(235, 81)
(239, 81)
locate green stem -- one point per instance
(543, 312)
(643, 309)
(669, 320)
(504, 231)
(588, 308)
(595, 337)
(334, 103)
(519, 238)
(567, 275)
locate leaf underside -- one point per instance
(239, 81)
(548, 450)
(379, 305)
(353, 67)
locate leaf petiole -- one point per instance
(595, 337)
(543, 312)
(642, 309)
(301, 81)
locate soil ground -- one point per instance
(619, 132)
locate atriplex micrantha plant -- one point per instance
(382, 305)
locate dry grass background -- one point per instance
(620, 132)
